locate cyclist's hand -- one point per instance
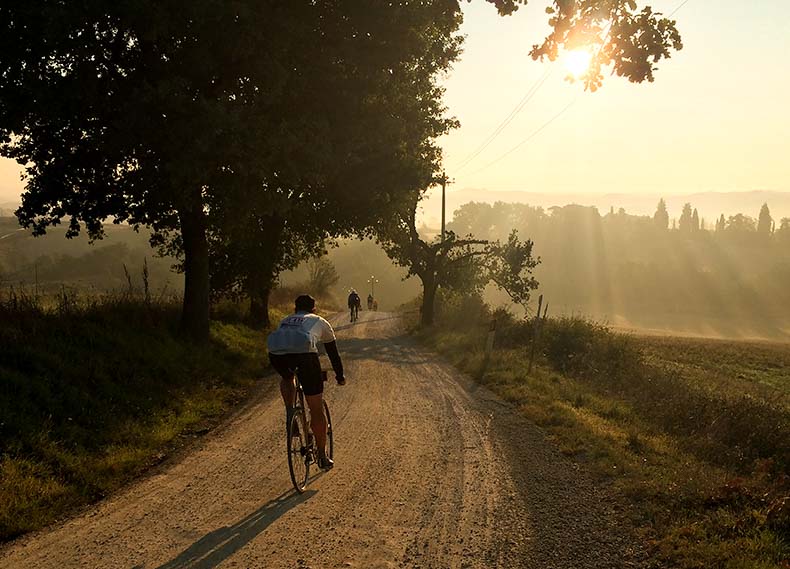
(341, 380)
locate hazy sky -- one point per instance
(716, 117)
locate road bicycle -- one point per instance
(302, 449)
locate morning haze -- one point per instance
(379, 284)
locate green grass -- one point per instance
(694, 434)
(762, 368)
(92, 393)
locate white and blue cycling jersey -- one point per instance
(300, 333)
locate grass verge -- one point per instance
(93, 393)
(695, 434)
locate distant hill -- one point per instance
(7, 208)
(53, 260)
(709, 204)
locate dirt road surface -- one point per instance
(431, 471)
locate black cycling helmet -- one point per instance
(304, 303)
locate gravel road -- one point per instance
(432, 470)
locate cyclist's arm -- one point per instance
(334, 358)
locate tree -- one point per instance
(721, 223)
(764, 222)
(661, 217)
(323, 275)
(622, 36)
(695, 221)
(131, 111)
(451, 262)
(686, 222)
(162, 115)
(510, 268)
(740, 224)
(248, 255)
(783, 232)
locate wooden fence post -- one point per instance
(535, 329)
(489, 346)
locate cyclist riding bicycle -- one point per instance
(294, 346)
(354, 304)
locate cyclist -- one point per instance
(294, 346)
(354, 303)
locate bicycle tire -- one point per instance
(298, 451)
(330, 439)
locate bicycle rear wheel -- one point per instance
(330, 440)
(298, 450)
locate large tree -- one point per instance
(134, 110)
(661, 217)
(439, 261)
(382, 145)
(765, 222)
(165, 114)
(686, 222)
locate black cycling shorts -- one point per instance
(308, 369)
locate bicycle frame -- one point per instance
(307, 451)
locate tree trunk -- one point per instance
(195, 311)
(261, 270)
(429, 286)
(259, 307)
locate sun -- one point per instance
(577, 62)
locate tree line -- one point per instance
(246, 134)
(691, 222)
(630, 268)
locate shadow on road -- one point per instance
(396, 350)
(213, 548)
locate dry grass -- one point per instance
(94, 390)
(695, 434)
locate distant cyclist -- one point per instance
(294, 346)
(354, 304)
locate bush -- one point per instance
(457, 310)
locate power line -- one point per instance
(673, 12)
(519, 106)
(530, 137)
(507, 120)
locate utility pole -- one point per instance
(444, 180)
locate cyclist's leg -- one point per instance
(288, 391)
(318, 421)
(313, 385)
(284, 365)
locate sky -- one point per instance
(715, 119)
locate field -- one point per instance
(694, 434)
(760, 368)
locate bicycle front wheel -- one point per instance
(330, 439)
(298, 450)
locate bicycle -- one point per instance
(354, 313)
(302, 451)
